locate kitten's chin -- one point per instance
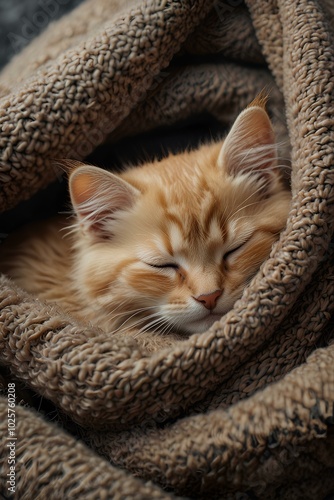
(202, 325)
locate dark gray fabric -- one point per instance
(22, 20)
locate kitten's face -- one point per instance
(172, 245)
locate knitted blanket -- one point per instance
(245, 410)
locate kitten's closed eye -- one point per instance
(167, 265)
(234, 250)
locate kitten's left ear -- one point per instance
(250, 147)
(98, 197)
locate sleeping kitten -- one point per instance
(167, 246)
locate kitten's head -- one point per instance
(172, 244)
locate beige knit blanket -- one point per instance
(244, 410)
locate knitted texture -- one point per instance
(247, 407)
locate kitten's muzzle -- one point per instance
(209, 300)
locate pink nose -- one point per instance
(209, 300)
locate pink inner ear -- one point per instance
(98, 196)
(250, 144)
(262, 133)
(82, 188)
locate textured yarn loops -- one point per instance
(245, 409)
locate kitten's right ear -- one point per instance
(250, 146)
(98, 197)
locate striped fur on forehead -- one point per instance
(200, 224)
(191, 207)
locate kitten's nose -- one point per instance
(209, 300)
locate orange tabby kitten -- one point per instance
(167, 246)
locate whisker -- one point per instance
(158, 321)
(122, 328)
(167, 329)
(132, 311)
(150, 330)
(121, 304)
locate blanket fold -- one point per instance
(235, 455)
(247, 407)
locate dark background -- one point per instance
(22, 20)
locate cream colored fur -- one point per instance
(166, 247)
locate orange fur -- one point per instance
(208, 216)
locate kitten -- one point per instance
(166, 246)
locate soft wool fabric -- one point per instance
(247, 407)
